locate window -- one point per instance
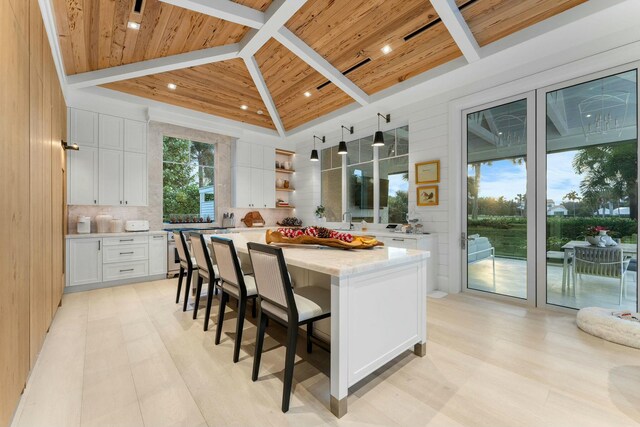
(360, 179)
(188, 180)
(393, 166)
(394, 176)
(332, 184)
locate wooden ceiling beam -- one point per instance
(154, 66)
(277, 15)
(458, 28)
(261, 85)
(321, 65)
(223, 9)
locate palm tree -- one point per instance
(573, 197)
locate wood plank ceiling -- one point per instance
(349, 34)
(220, 89)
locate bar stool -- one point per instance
(233, 283)
(206, 271)
(277, 301)
(188, 264)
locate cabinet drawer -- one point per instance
(125, 240)
(399, 242)
(125, 253)
(124, 270)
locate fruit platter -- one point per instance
(321, 236)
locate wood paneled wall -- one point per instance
(32, 162)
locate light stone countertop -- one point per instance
(334, 262)
(123, 234)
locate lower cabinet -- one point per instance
(157, 254)
(93, 261)
(85, 261)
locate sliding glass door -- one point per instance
(499, 142)
(588, 219)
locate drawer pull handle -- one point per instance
(398, 240)
(125, 271)
(126, 240)
(158, 237)
(126, 253)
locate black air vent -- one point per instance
(344, 73)
(434, 22)
(137, 7)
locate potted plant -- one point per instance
(597, 235)
(320, 213)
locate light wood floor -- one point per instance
(128, 356)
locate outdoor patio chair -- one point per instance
(601, 262)
(478, 249)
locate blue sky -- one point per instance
(503, 178)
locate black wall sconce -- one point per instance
(314, 152)
(342, 147)
(378, 139)
(66, 146)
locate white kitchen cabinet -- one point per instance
(135, 179)
(242, 186)
(269, 159)
(83, 128)
(242, 154)
(135, 136)
(84, 261)
(257, 156)
(253, 175)
(82, 176)
(257, 188)
(111, 131)
(110, 177)
(269, 188)
(157, 254)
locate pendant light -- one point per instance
(342, 147)
(314, 152)
(378, 139)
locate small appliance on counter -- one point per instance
(103, 223)
(116, 226)
(136, 225)
(84, 225)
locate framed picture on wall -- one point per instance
(428, 172)
(427, 195)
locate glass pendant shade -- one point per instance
(342, 148)
(378, 140)
(314, 155)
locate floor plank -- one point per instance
(130, 356)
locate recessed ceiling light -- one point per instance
(499, 133)
(307, 94)
(133, 25)
(588, 115)
(260, 112)
(386, 49)
(172, 86)
(244, 107)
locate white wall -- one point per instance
(435, 132)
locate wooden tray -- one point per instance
(359, 242)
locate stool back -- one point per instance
(228, 263)
(272, 277)
(201, 254)
(183, 251)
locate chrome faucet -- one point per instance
(350, 219)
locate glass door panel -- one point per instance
(496, 208)
(591, 184)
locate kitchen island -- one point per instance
(378, 305)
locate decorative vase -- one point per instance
(286, 184)
(279, 183)
(287, 165)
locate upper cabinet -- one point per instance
(135, 136)
(253, 175)
(111, 131)
(111, 166)
(83, 128)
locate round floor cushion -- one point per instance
(603, 323)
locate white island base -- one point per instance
(378, 305)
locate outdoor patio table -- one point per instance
(627, 249)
